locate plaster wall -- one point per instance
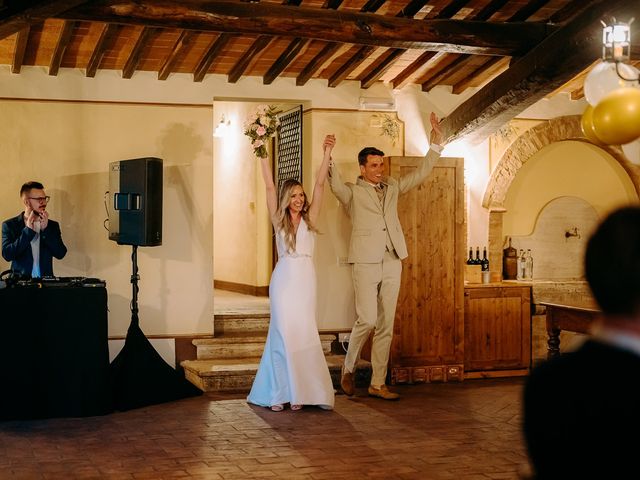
(68, 146)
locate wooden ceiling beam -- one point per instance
(492, 64)
(529, 9)
(436, 78)
(61, 45)
(552, 63)
(332, 4)
(489, 9)
(131, 64)
(179, 47)
(413, 7)
(21, 47)
(16, 15)
(107, 37)
(243, 63)
(283, 61)
(314, 65)
(350, 65)
(380, 66)
(490, 69)
(403, 76)
(569, 11)
(210, 55)
(451, 8)
(457, 36)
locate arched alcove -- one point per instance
(515, 157)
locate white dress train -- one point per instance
(293, 368)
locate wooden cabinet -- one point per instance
(497, 327)
(428, 341)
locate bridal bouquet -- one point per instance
(261, 125)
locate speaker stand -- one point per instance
(139, 375)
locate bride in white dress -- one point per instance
(293, 368)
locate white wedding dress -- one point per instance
(293, 368)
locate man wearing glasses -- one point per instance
(31, 240)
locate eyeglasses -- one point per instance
(41, 199)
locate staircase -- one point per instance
(228, 362)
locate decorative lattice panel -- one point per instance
(289, 146)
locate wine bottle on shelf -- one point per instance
(486, 277)
(485, 261)
(477, 259)
(470, 259)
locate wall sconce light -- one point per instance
(222, 127)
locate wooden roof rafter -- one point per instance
(145, 36)
(61, 46)
(489, 67)
(400, 80)
(210, 55)
(105, 41)
(181, 44)
(290, 53)
(21, 46)
(249, 56)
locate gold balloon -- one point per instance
(586, 122)
(616, 118)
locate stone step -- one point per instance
(237, 374)
(232, 323)
(242, 345)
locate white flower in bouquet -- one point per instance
(260, 125)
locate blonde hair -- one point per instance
(283, 217)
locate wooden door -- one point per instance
(428, 342)
(497, 328)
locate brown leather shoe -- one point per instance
(347, 383)
(383, 392)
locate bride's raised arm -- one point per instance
(321, 178)
(272, 194)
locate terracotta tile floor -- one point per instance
(468, 430)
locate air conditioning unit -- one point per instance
(376, 103)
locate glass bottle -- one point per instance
(470, 259)
(521, 265)
(528, 273)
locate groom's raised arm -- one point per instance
(338, 187)
(415, 178)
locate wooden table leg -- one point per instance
(553, 343)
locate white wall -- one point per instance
(68, 146)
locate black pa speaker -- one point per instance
(135, 202)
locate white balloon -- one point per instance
(603, 79)
(632, 151)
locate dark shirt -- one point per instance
(16, 246)
(582, 412)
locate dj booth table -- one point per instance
(54, 357)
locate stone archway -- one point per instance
(518, 153)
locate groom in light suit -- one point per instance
(376, 250)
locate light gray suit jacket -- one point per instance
(369, 219)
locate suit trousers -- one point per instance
(376, 288)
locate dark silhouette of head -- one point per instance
(612, 263)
